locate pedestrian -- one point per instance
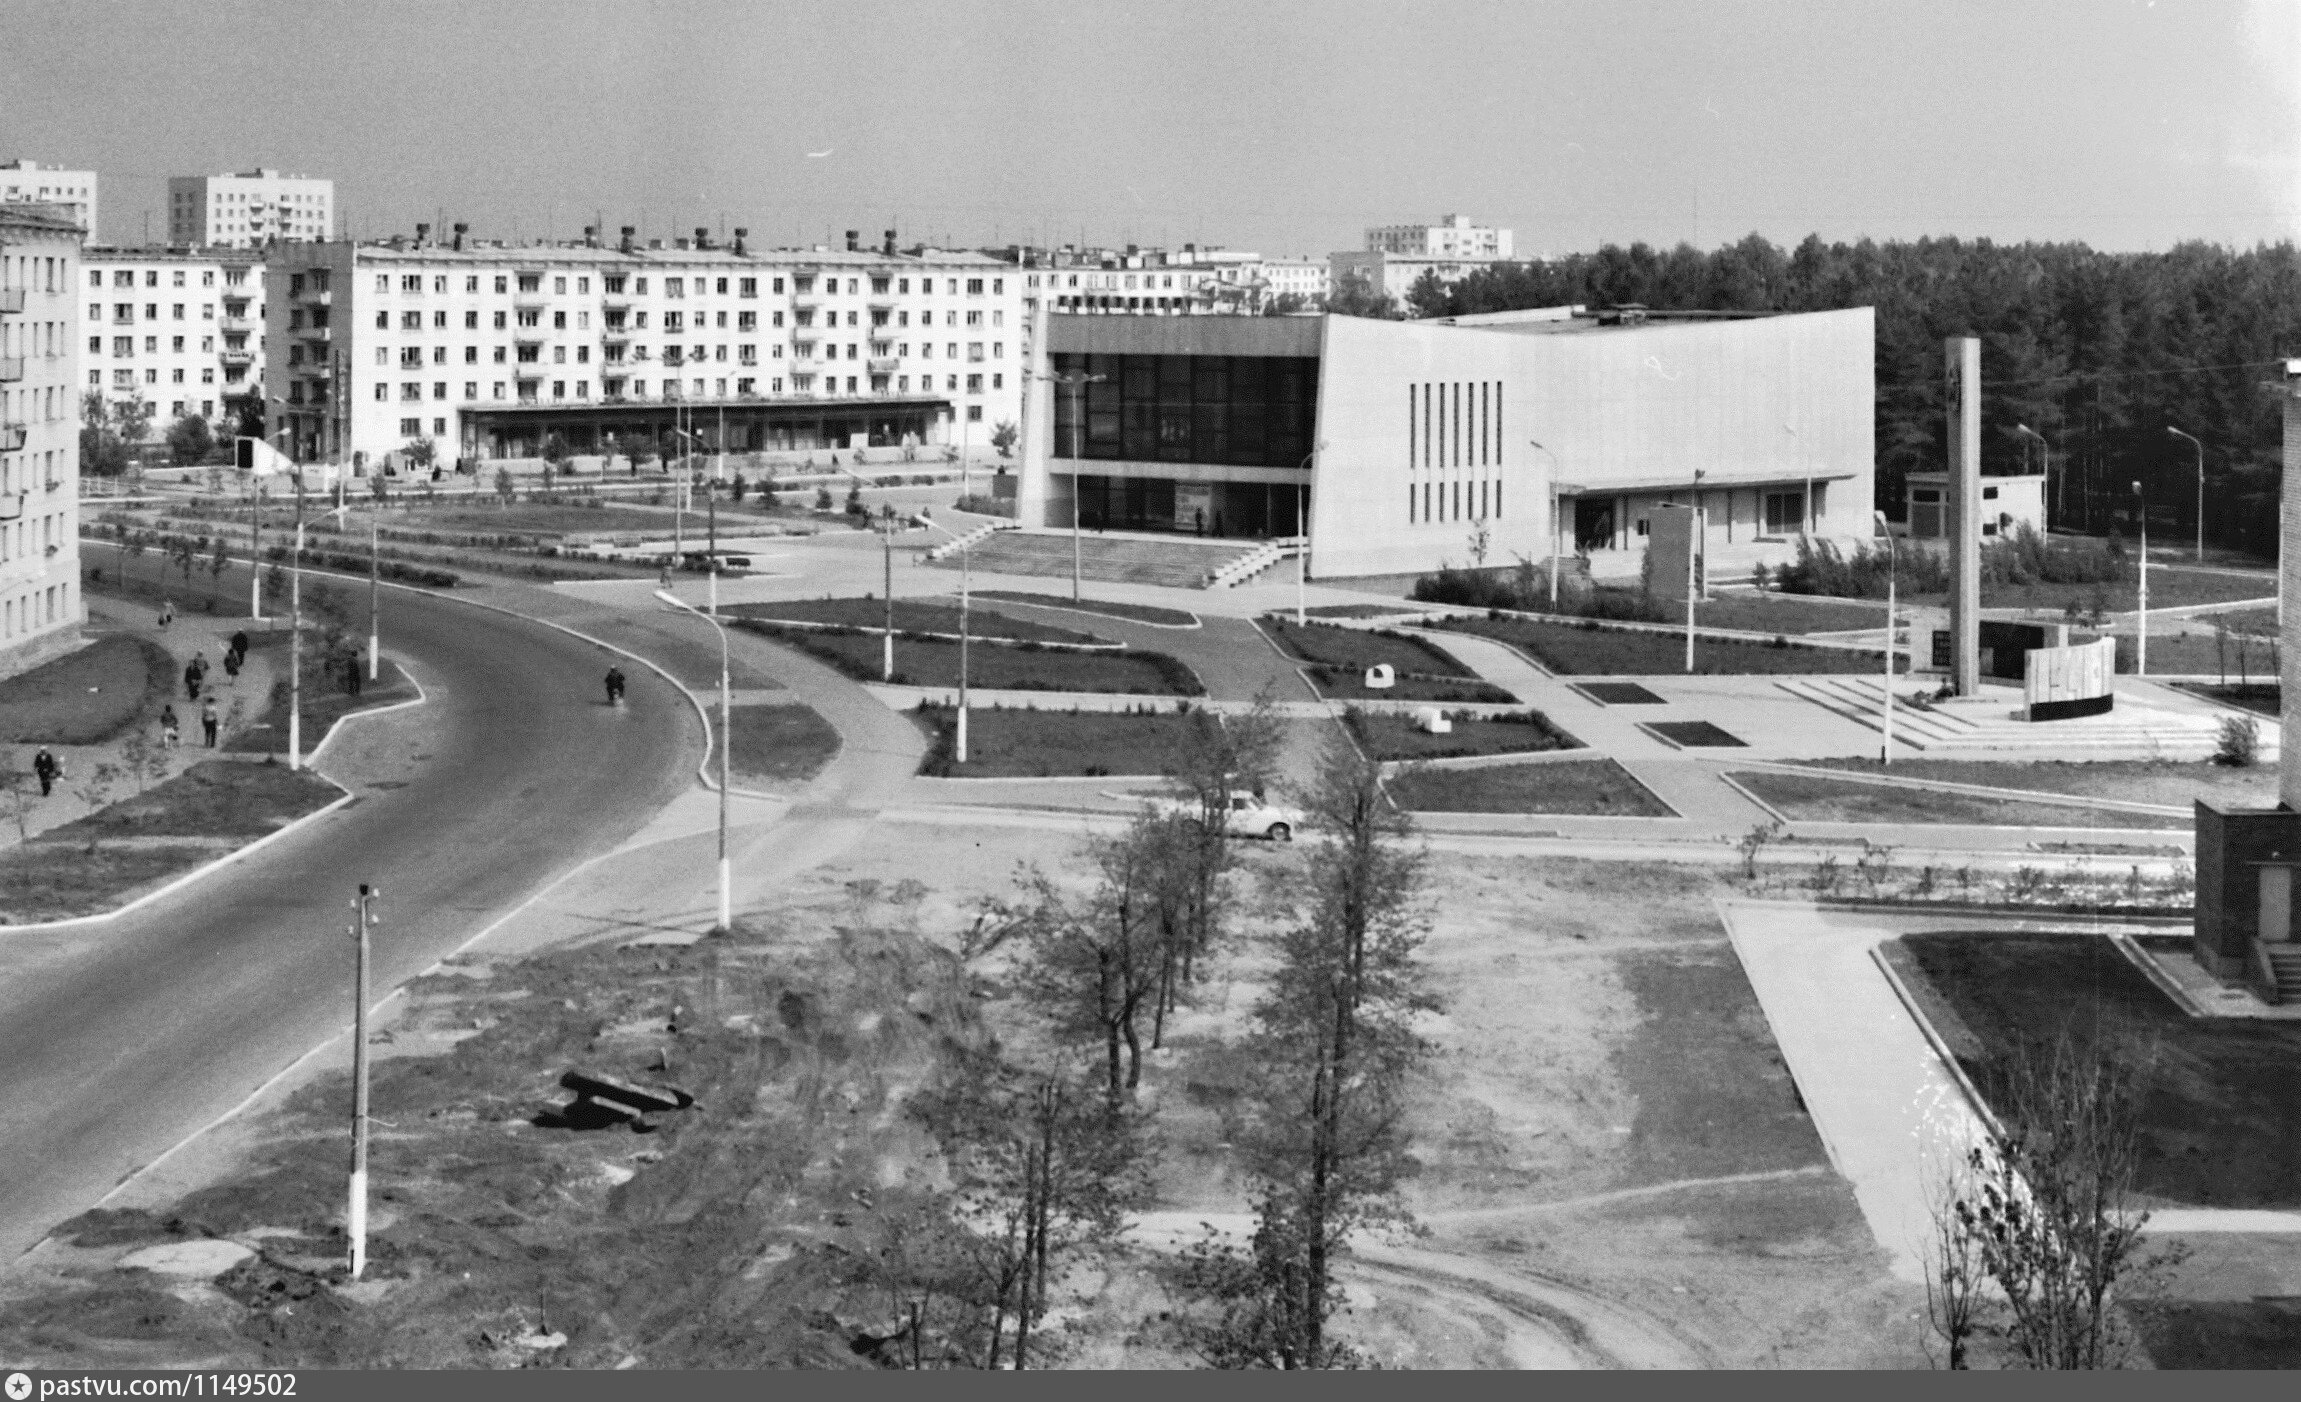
(614, 686)
(240, 644)
(191, 682)
(169, 736)
(200, 664)
(353, 675)
(44, 766)
(208, 723)
(167, 612)
(232, 668)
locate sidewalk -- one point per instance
(189, 635)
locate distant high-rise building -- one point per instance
(1453, 236)
(40, 606)
(74, 190)
(250, 209)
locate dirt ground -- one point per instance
(1614, 1166)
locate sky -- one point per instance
(1285, 128)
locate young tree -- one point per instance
(1040, 1167)
(2045, 1215)
(555, 459)
(420, 454)
(190, 440)
(1354, 294)
(1335, 1046)
(1286, 304)
(504, 491)
(1219, 755)
(1430, 296)
(142, 759)
(95, 790)
(219, 560)
(102, 454)
(132, 420)
(1481, 539)
(1004, 437)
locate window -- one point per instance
(500, 321)
(559, 286)
(383, 354)
(559, 355)
(439, 284)
(583, 284)
(176, 344)
(776, 285)
(498, 357)
(502, 285)
(974, 413)
(974, 351)
(439, 321)
(747, 321)
(383, 282)
(439, 355)
(975, 287)
(411, 390)
(383, 321)
(559, 321)
(675, 287)
(974, 384)
(746, 287)
(471, 321)
(411, 321)
(745, 387)
(531, 317)
(531, 282)
(439, 389)
(123, 345)
(529, 354)
(471, 389)
(471, 284)
(411, 428)
(411, 283)
(495, 391)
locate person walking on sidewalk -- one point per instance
(170, 731)
(240, 644)
(353, 675)
(209, 720)
(167, 612)
(232, 668)
(45, 768)
(191, 682)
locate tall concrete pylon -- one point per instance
(2288, 591)
(1962, 400)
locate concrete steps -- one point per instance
(2285, 964)
(1993, 723)
(1177, 562)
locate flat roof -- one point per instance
(610, 255)
(38, 214)
(1074, 334)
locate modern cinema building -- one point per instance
(1403, 436)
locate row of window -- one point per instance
(124, 313)
(46, 462)
(125, 346)
(412, 391)
(1466, 497)
(126, 277)
(616, 320)
(1455, 424)
(37, 608)
(617, 354)
(614, 286)
(126, 379)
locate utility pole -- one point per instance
(296, 639)
(1893, 576)
(2141, 634)
(887, 644)
(1701, 530)
(2200, 447)
(356, 1217)
(1076, 381)
(255, 542)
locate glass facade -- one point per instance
(1236, 410)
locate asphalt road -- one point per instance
(118, 1041)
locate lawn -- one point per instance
(324, 705)
(932, 662)
(86, 697)
(1349, 684)
(2265, 698)
(2169, 587)
(2258, 623)
(1004, 744)
(1581, 649)
(1801, 798)
(83, 868)
(911, 616)
(776, 743)
(1332, 645)
(2202, 655)
(1108, 608)
(2134, 780)
(2218, 1123)
(1597, 787)
(527, 518)
(1386, 736)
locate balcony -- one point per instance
(234, 325)
(616, 336)
(230, 356)
(529, 299)
(11, 368)
(322, 298)
(12, 437)
(11, 301)
(884, 366)
(316, 333)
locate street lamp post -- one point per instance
(1893, 577)
(296, 638)
(965, 631)
(2141, 636)
(2200, 447)
(375, 573)
(1302, 528)
(356, 1215)
(726, 747)
(1693, 566)
(1076, 381)
(1555, 465)
(887, 649)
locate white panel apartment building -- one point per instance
(488, 350)
(22, 180)
(249, 209)
(1306, 277)
(182, 331)
(40, 606)
(1397, 255)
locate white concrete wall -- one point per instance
(159, 314)
(40, 605)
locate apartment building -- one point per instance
(1453, 236)
(24, 181)
(488, 350)
(250, 209)
(1137, 281)
(1304, 277)
(40, 608)
(181, 330)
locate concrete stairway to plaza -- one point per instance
(1178, 562)
(1992, 722)
(2285, 966)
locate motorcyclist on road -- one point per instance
(614, 686)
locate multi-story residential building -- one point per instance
(181, 330)
(1137, 281)
(488, 350)
(1453, 236)
(1305, 277)
(1397, 256)
(40, 607)
(75, 190)
(250, 209)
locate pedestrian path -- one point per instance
(190, 635)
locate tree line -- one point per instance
(2100, 353)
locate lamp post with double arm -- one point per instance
(2045, 453)
(965, 631)
(2200, 447)
(726, 747)
(1076, 381)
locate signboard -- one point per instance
(2061, 682)
(1929, 641)
(1193, 506)
(1674, 534)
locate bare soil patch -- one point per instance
(777, 744)
(1818, 800)
(1587, 649)
(1595, 787)
(2169, 782)
(1387, 736)
(991, 666)
(1109, 608)
(1009, 744)
(913, 616)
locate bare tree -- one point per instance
(1218, 755)
(142, 760)
(2045, 1214)
(95, 790)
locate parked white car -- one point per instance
(1251, 815)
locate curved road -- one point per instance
(118, 1040)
